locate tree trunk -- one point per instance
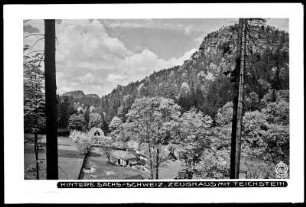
(157, 163)
(36, 130)
(150, 160)
(276, 83)
(108, 154)
(51, 101)
(147, 140)
(238, 102)
(36, 154)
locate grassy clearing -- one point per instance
(108, 171)
(256, 169)
(170, 169)
(69, 160)
(69, 167)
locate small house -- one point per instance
(140, 155)
(99, 141)
(171, 156)
(132, 161)
(97, 136)
(143, 157)
(96, 132)
(123, 158)
(141, 162)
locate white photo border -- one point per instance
(19, 190)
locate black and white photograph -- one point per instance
(147, 99)
(158, 98)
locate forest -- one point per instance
(187, 108)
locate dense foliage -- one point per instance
(34, 96)
(150, 121)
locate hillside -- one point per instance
(75, 94)
(82, 99)
(203, 80)
(76, 101)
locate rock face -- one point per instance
(76, 101)
(81, 98)
(92, 96)
(75, 94)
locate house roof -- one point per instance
(92, 132)
(123, 155)
(133, 159)
(137, 153)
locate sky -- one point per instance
(97, 55)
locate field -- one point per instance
(105, 170)
(70, 163)
(69, 160)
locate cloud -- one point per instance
(33, 34)
(81, 41)
(89, 59)
(88, 78)
(140, 65)
(95, 56)
(115, 78)
(30, 29)
(180, 60)
(34, 26)
(280, 23)
(165, 39)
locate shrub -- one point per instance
(75, 136)
(83, 141)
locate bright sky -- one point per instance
(97, 55)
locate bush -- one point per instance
(75, 135)
(83, 141)
(84, 147)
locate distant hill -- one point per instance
(82, 99)
(75, 94)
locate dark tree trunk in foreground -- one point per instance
(238, 102)
(51, 106)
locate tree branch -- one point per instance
(33, 34)
(36, 42)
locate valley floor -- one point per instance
(103, 170)
(70, 164)
(69, 160)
